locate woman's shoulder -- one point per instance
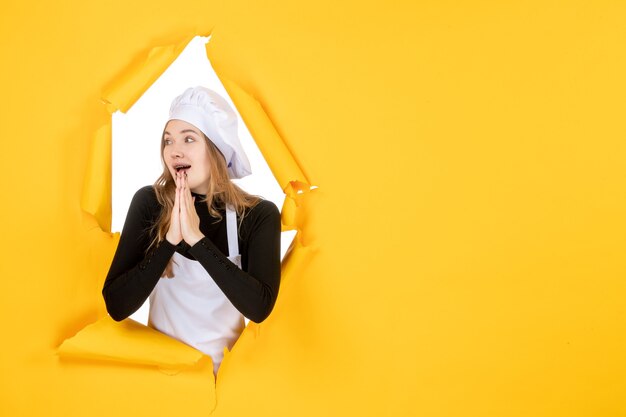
(265, 207)
(145, 193)
(145, 198)
(264, 210)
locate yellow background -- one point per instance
(461, 256)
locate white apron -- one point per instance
(191, 307)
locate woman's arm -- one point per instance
(254, 292)
(133, 275)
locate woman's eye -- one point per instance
(189, 139)
(167, 141)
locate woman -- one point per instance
(204, 251)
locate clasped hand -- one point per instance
(185, 223)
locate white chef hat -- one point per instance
(209, 112)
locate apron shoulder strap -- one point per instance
(231, 231)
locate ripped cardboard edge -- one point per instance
(278, 156)
(129, 343)
(96, 193)
(134, 81)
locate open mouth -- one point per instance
(182, 167)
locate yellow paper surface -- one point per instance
(461, 254)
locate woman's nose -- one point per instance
(176, 152)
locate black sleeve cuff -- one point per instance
(154, 264)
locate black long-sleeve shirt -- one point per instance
(252, 289)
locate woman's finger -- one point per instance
(174, 233)
(189, 220)
(177, 201)
(184, 195)
(181, 197)
(176, 196)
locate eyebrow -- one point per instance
(182, 131)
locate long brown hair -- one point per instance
(221, 191)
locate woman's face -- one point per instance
(185, 149)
